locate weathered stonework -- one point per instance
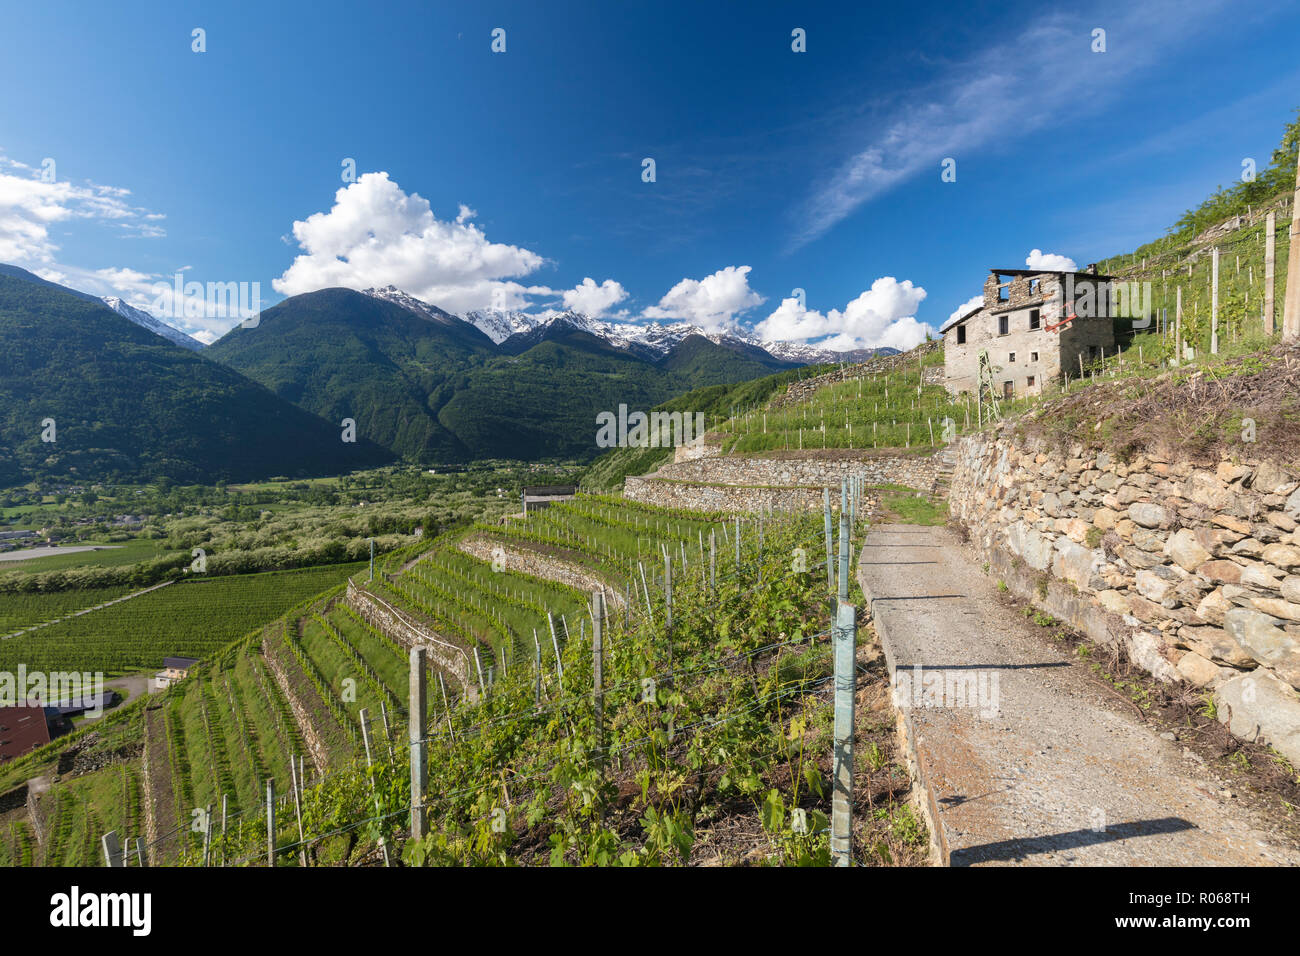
(401, 628)
(1195, 571)
(538, 565)
(776, 484)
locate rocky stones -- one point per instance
(1148, 515)
(1220, 572)
(1259, 634)
(1258, 706)
(1214, 643)
(1196, 670)
(1282, 555)
(1186, 552)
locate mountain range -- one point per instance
(135, 398)
(88, 395)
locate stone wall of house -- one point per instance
(776, 484)
(1195, 570)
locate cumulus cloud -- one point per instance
(594, 300)
(30, 206)
(1049, 261)
(712, 302)
(962, 309)
(376, 234)
(884, 315)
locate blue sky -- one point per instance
(516, 178)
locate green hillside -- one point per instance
(126, 402)
(442, 392)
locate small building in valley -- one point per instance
(174, 669)
(1035, 326)
(537, 497)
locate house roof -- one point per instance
(180, 663)
(22, 730)
(961, 318)
(1048, 272)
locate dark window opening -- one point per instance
(1011, 357)
(1008, 390)
(1034, 320)
(961, 335)
(1003, 324)
(1033, 356)
(1030, 381)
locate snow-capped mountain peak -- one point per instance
(390, 293)
(653, 339)
(500, 324)
(147, 321)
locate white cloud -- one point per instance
(962, 309)
(884, 315)
(29, 207)
(712, 302)
(594, 300)
(1036, 76)
(1050, 261)
(376, 235)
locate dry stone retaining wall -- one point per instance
(775, 484)
(379, 614)
(1196, 571)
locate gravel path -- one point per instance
(1022, 758)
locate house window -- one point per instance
(1011, 358)
(961, 335)
(1033, 356)
(1007, 390)
(1003, 324)
(1030, 381)
(1034, 285)
(1034, 321)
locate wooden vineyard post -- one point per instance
(844, 556)
(1214, 301)
(737, 550)
(270, 821)
(297, 798)
(830, 544)
(419, 749)
(112, 849)
(224, 808)
(555, 644)
(668, 611)
(207, 834)
(388, 734)
(140, 857)
(537, 670)
(1270, 268)
(597, 669)
(1291, 299)
(713, 561)
(364, 719)
(846, 681)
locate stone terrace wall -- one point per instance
(379, 614)
(1196, 572)
(774, 484)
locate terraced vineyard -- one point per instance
(192, 618)
(723, 717)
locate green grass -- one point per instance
(192, 618)
(910, 506)
(113, 555)
(24, 610)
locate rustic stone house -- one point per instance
(1034, 325)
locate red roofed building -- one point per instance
(22, 730)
